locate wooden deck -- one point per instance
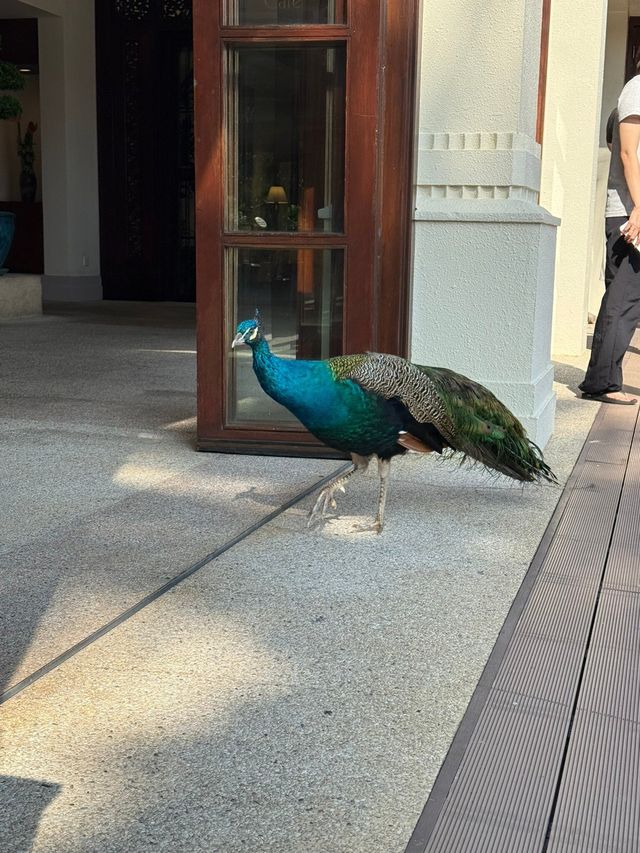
(547, 757)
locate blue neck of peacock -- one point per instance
(306, 388)
(284, 379)
(266, 365)
(261, 350)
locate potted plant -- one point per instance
(28, 181)
(11, 80)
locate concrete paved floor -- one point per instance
(297, 693)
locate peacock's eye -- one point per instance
(253, 335)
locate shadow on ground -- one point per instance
(23, 801)
(571, 376)
(70, 392)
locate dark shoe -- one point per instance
(606, 398)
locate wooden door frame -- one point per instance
(381, 117)
(542, 73)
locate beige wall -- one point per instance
(566, 188)
(69, 153)
(570, 159)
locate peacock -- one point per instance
(376, 404)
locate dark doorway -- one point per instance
(144, 58)
(19, 45)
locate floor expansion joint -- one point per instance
(57, 661)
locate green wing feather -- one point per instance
(344, 366)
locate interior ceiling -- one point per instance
(16, 9)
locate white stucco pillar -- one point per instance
(69, 153)
(570, 163)
(484, 248)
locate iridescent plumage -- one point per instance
(383, 405)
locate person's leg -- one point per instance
(618, 315)
(629, 319)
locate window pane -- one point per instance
(270, 12)
(285, 144)
(299, 293)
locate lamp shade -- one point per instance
(277, 195)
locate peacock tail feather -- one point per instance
(486, 430)
(468, 416)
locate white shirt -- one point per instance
(619, 201)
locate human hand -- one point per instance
(631, 232)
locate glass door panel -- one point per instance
(277, 12)
(299, 293)
(285, 138)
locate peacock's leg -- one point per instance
(326, 498)
(384, 466)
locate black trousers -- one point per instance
(619, 312)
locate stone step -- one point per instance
(20, 295)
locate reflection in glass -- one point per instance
(274, 12)
(299, 293)
(285, 120)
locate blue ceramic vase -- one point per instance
(7, 227)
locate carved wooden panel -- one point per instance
(133, 10)
(176, 8)
(133, 146)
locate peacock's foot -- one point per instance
(323, 504)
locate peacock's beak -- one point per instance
(239, 339)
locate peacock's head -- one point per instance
(248, 332)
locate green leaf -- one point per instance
(10, 76)
(10, 107)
